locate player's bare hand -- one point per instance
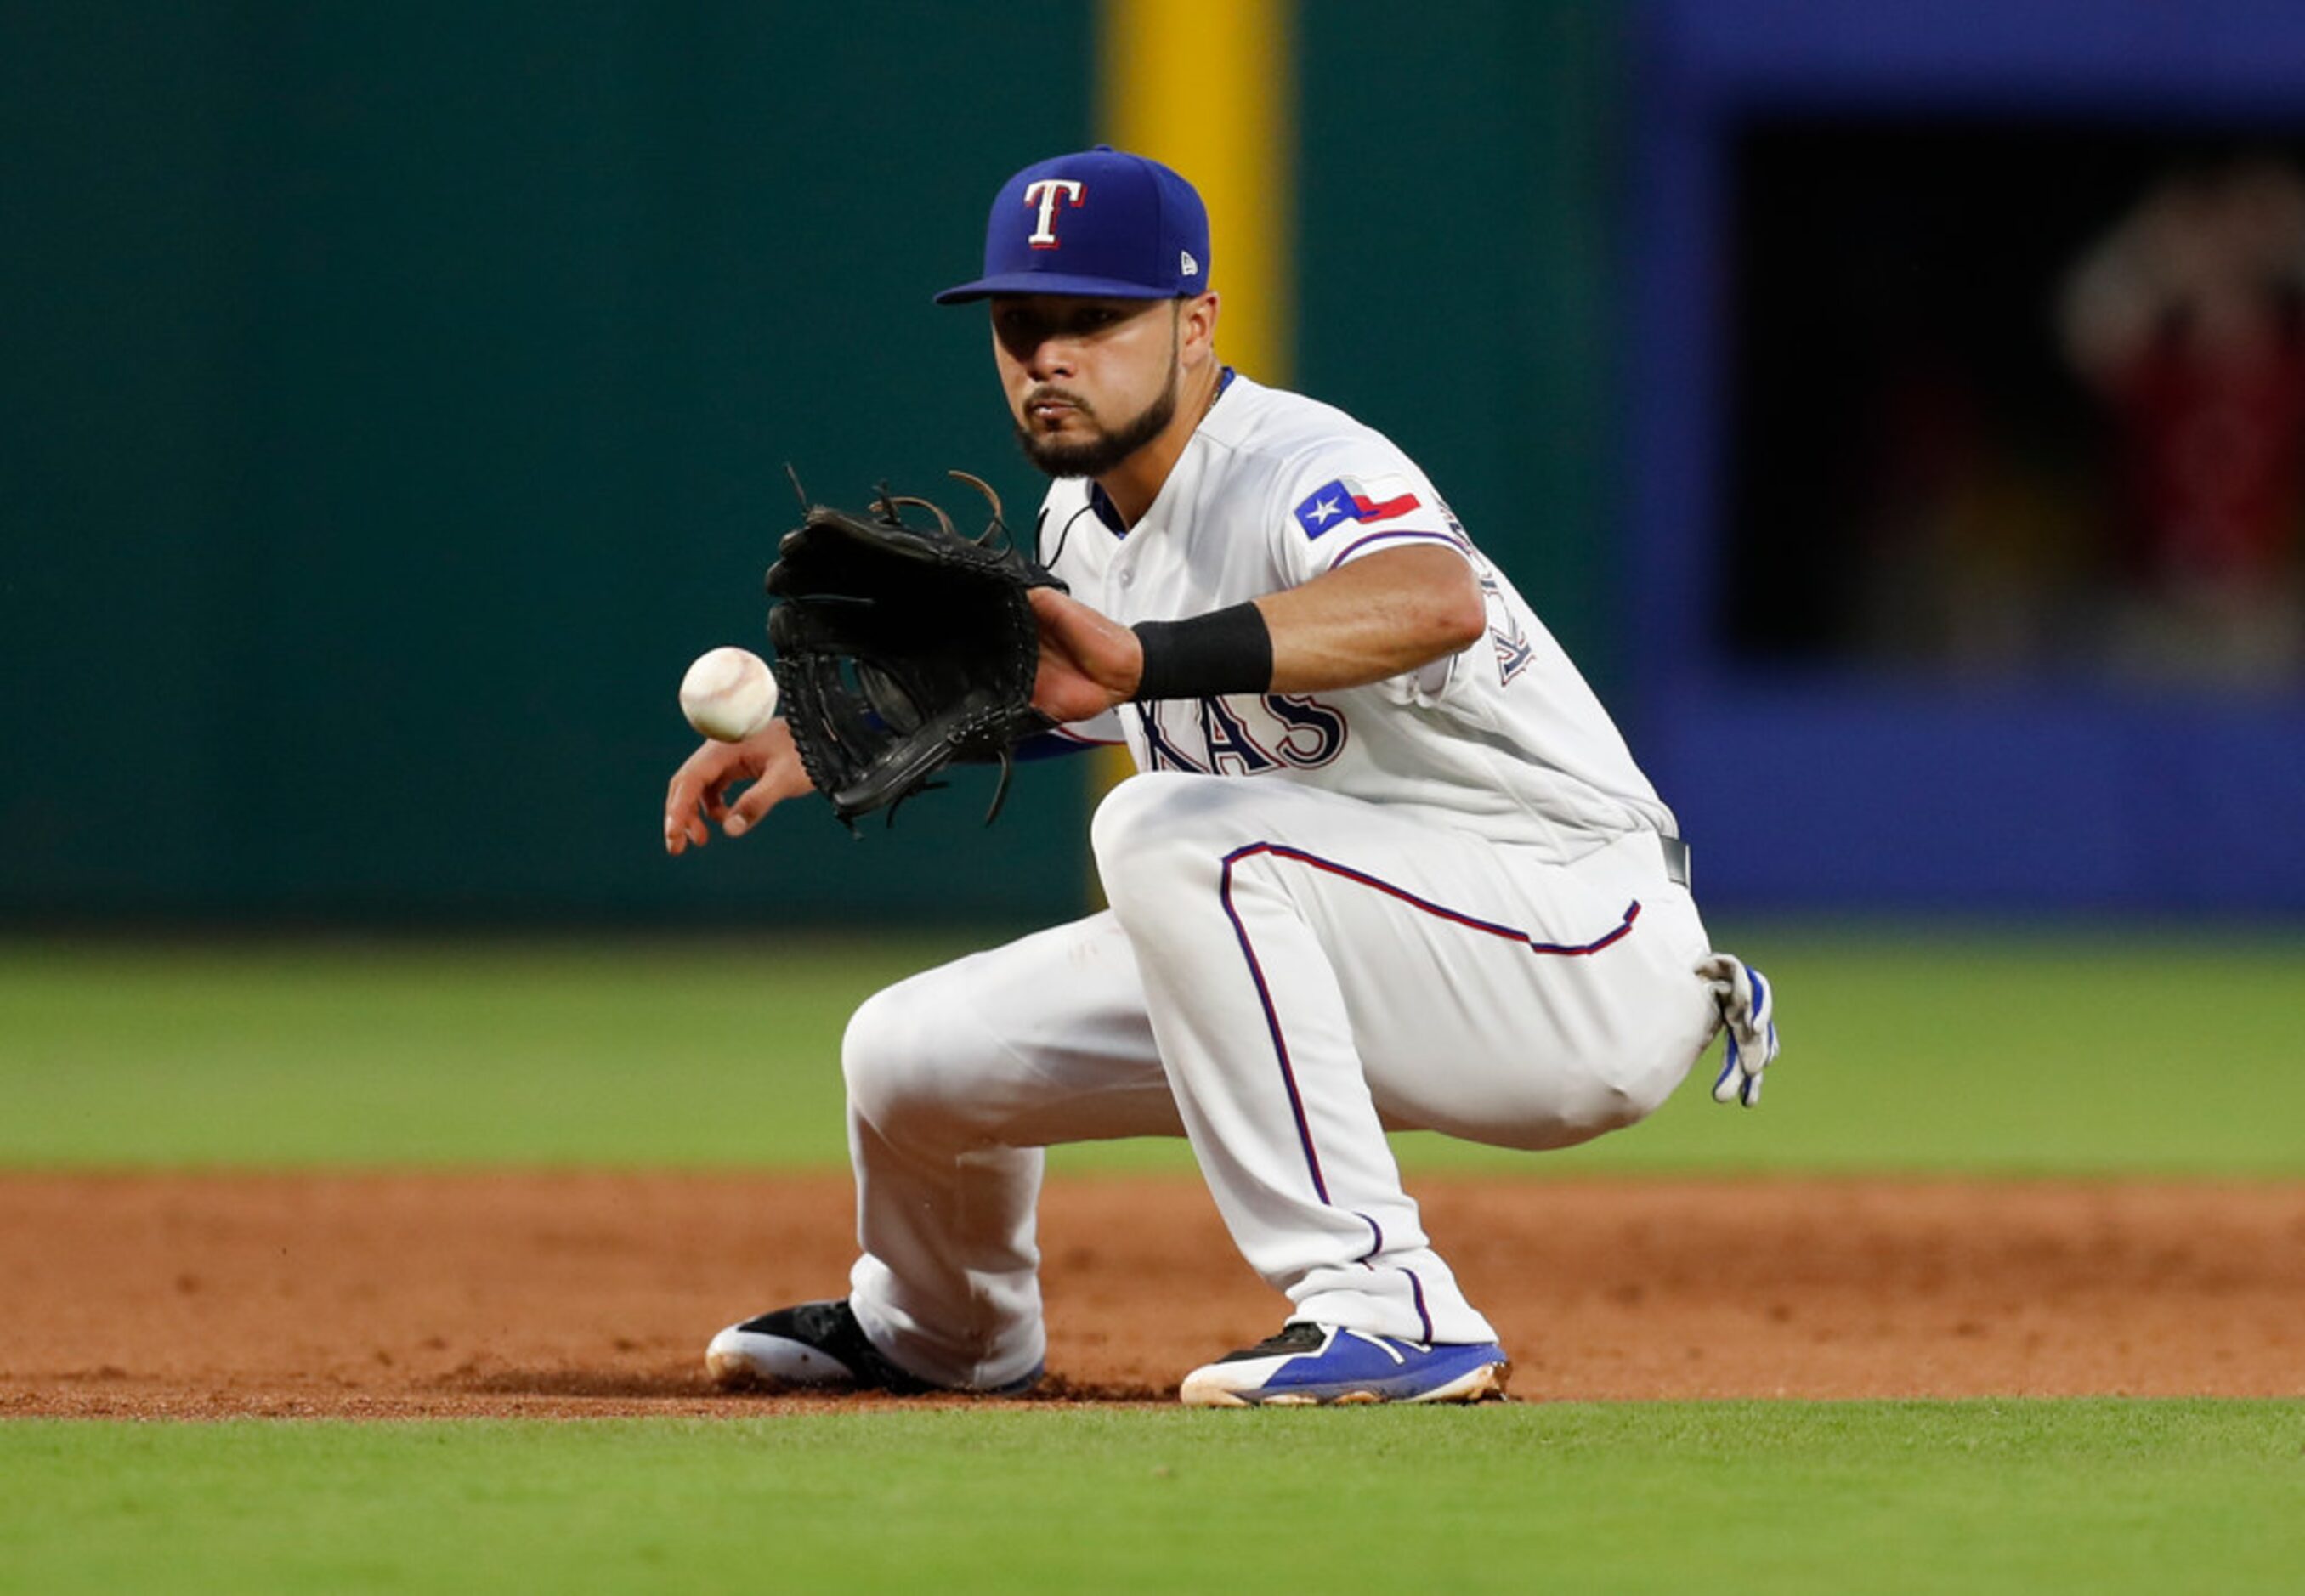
(1089, 662)
(702, 788)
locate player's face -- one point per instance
(1090, 381)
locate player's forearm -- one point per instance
(1375, 618)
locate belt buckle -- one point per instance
(1676, 858)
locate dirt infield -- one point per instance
(564, 1295)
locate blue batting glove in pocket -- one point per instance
(1748, 1005)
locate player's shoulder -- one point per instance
(1253, 419)
(1290, 433)
(1314, 470)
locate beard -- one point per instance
(1094, 456)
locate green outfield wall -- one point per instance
(395, 399)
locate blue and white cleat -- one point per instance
(1309, 1365)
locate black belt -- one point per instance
(1676, 858)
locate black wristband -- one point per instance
(1226, 651)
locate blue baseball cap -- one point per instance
(1102, 222)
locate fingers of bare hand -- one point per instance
(692, 787)
(683, 828)
(747, 811)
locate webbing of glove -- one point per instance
(902, 649)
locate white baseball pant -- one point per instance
(1284, 974)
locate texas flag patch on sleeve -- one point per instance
(1360, 499)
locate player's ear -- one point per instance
(1197, 321)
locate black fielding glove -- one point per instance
(903, 649)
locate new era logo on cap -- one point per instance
(1102, 222)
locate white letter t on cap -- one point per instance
(1044, 193)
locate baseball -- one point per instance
(729, 695)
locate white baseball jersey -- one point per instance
(1441, 904)
(1274, 490)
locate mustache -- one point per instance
(1048, 393)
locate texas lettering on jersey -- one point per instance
(1241, 736)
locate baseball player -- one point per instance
(1385, 863)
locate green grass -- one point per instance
(2005, 1053)
(1976, 1498)
(2002, 1053)
(673, 1053)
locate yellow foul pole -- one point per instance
(1207, 87)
